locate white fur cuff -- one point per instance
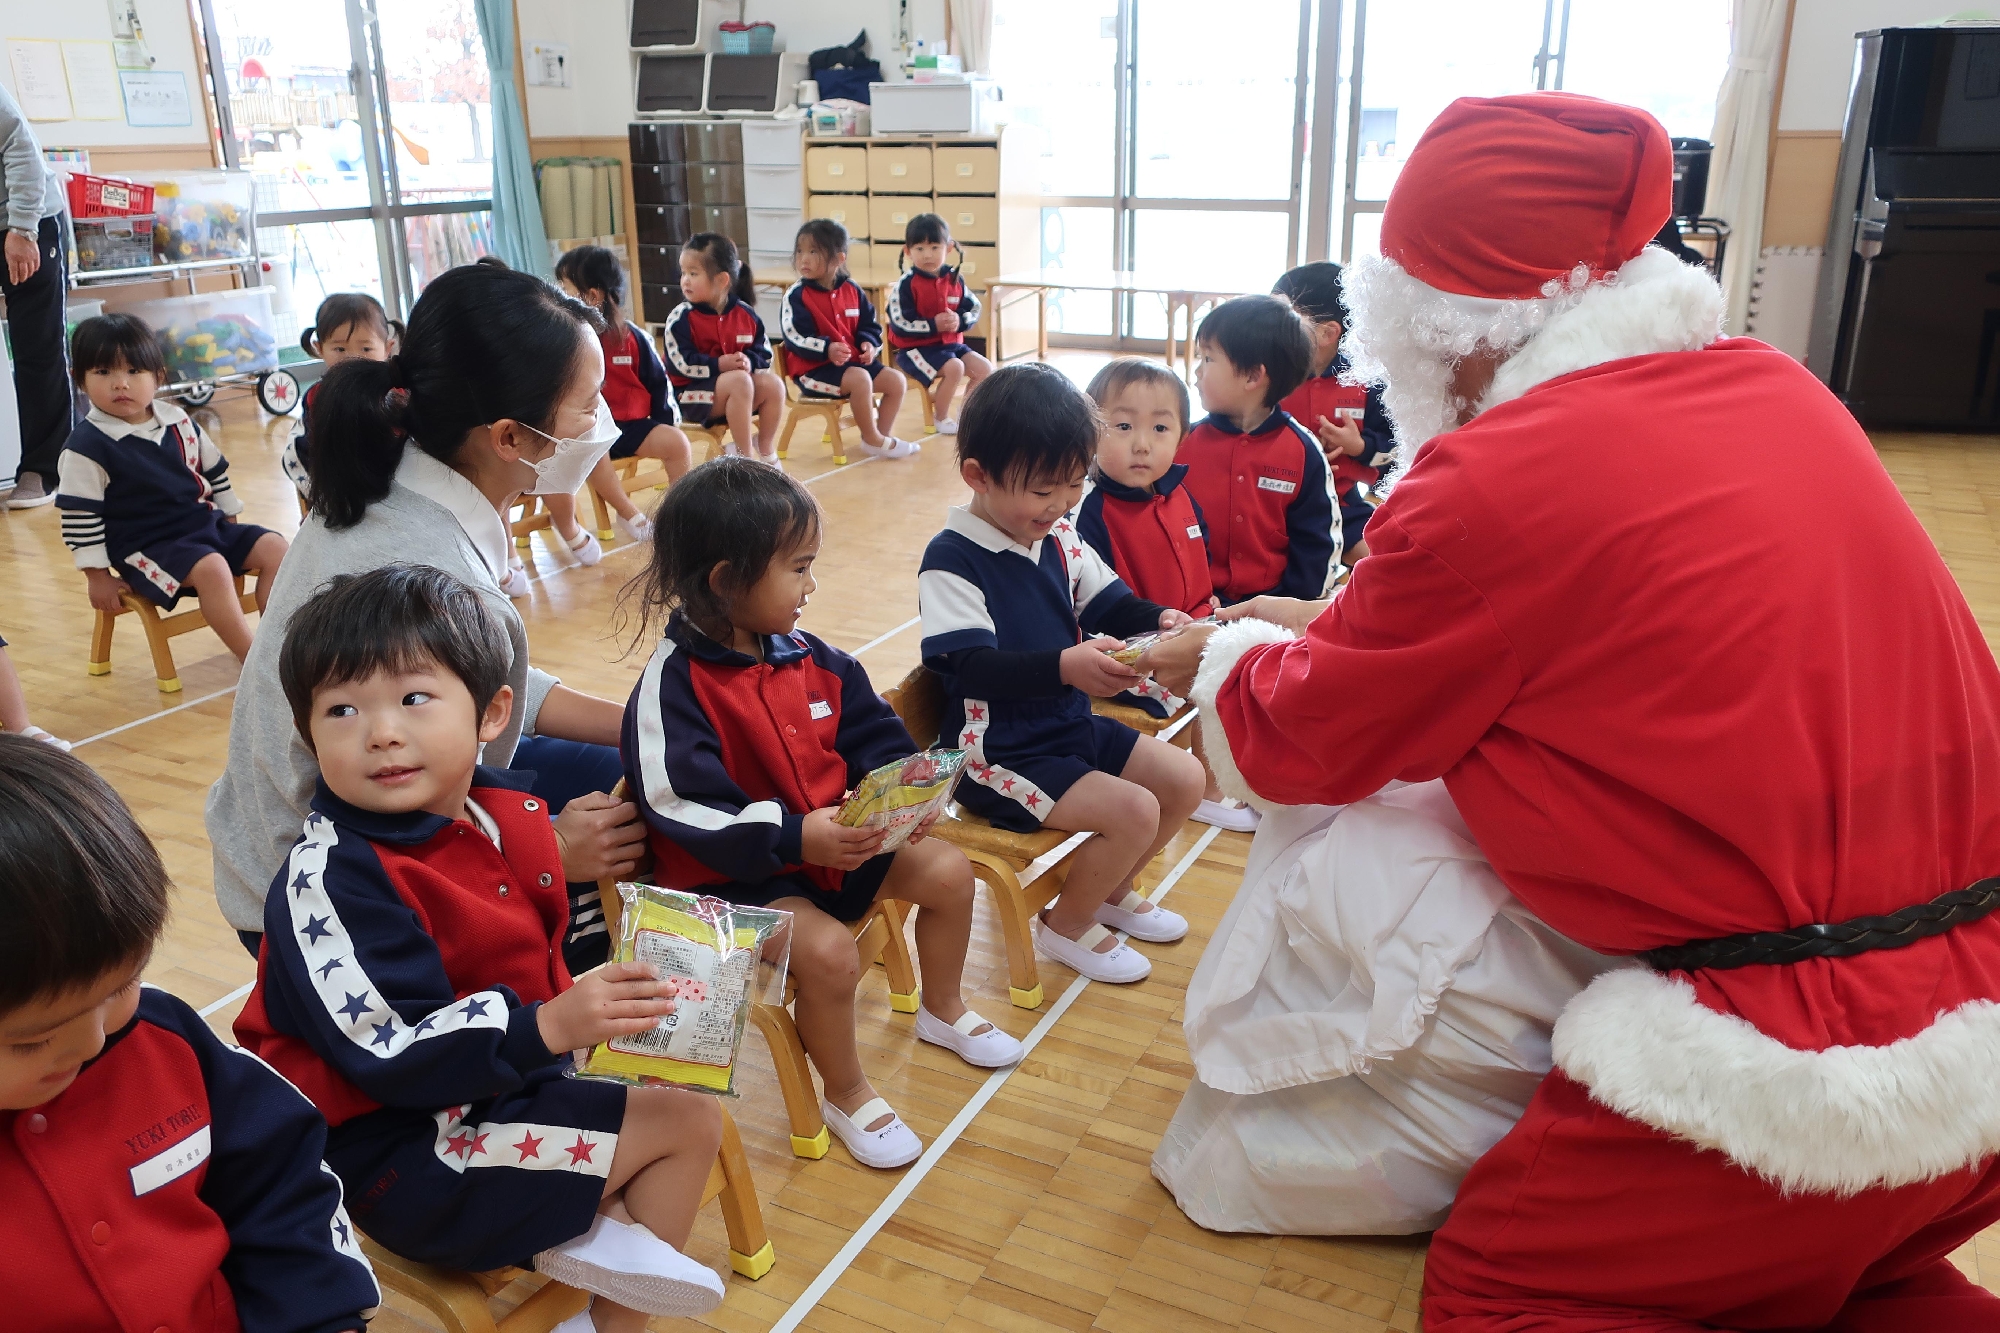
(1218, 661)
(1836, 1121)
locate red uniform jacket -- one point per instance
(915, 302)
(698, 337)
(1323, 395)
(1157, 540)
(635, 384)
(1269, 512)
(817, 317)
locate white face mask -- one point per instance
(563, 471)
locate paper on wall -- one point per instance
(39, 85)
(156, 99)
(93, 81)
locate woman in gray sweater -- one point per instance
(417, 461)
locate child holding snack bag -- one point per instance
(740, 741)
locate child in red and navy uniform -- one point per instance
(147, 505)
(636, 390)
(1008, 592)
(412, 983)
(741, 740)
(1257, 474)
(347, 326)
(154, 1177)
(721, 358)
(1349, 419)
(831, 339)
(929, 310)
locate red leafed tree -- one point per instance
(454, 64)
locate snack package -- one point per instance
(902, 795)
(721, 959)
(1136, 646)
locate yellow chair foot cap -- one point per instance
(171, 686)
(605, 534)
(754, 1266)
(100, 668)
(840, 460)
(813, 1148)
(903, 1004)
(521, 542)
(1026, 999)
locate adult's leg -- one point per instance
(733, 395)
(950, 376)
(670, 445)
(1583, 1220)
(215, 586)
(40, 346)
(564, 770)
(826, 967)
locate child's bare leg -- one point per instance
(1175, 778)
(13, 701)
(770, 408)
(666, 1146)
(1126, 818)
(860, 391)
(891, 383)
(604, 481)
(669, 444)
(562, 513)
(936, 877)
(265, 557)
(826, 967)
(733, 394)
(215, 586)
(977, 368)
(948, 381)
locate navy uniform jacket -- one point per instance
(914, 303)
(177, 1184)
(698, 337)
(816, 317)
(1268, 504)
(1156, 540)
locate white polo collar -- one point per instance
(484, 526)
(165, 414)
(969, 525)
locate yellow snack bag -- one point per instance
(899, 796)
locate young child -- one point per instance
(1352, 425)
(635, 387)
(1007, 592)
(929, 311)
(741, 740)
(14, 705)
(347, 325)
(145, 493)
(411, 978)
(1257, 474)
(154, 1177)
(831, 339)
(721, 357)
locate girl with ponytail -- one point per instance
(721, 356)
(416, 460)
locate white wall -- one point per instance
(169, 35)
(598, 101)
(1820, 64)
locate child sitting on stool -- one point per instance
(929, 310)
(721, 357)
(831, 338)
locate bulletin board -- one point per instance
(75, 51)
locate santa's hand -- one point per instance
(1173, 661)
(1289, 612)
(1090, 668)
(1339, 439)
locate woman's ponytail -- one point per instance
(358, 431)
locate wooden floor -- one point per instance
(1043, 1215)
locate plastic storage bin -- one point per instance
(215, 333)
(107, 197)
(932, 108)
(200, 214)
(108, 243)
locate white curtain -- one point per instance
(1738, 171)
(972, 33)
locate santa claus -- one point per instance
(1704, 694)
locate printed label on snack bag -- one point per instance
(1194, 529)
(820, 709)
(702, 1028)
(1275, 484)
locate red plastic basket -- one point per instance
(107, 197)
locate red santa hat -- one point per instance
(1504, 194)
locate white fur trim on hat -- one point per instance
(1837, 1121)
(1224, 650)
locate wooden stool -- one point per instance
(534, 517)
(160, 630)
(798, 407)
(461, 1301)
(923, 392)
(1146, 724)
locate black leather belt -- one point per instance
(1839, 940)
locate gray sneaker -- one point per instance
(30, 493)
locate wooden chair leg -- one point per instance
(896, 960)
(785, 435)
(839, 441)
(1024, 986)
(164, 671)
(810, 1137)
(750, 1251)
(100, 643)
(458, 1302)
(604, 530)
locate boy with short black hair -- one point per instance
(929, 310)
(1259, 476)
(1349, 419)
(412, 980)
(1007, 592)
(193, 1170)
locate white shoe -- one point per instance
(1234, 816)
(37, 734)
(1121, 965)
(580, 1322)
(991, 1049)
(515, 583)
(1157, 926)
(947, 425)
(891, 449)
(586, 548)
(626, 1263)
(895, 1144)
(637, 528)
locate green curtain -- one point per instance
(517, 209)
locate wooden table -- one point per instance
(1180, 291)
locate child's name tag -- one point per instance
(854, 313)
(1279, 485)
(820, 710)
(621, 360)
(165, 1167)
(1350, 413)
(1194, 530)
(744, 338)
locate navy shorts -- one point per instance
(849, 903)
(925, 364)
(824, 381)
(1025, 763)
(696, 405)
(159, 572)
(632, 434)
(487, 1185)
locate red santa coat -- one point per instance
(1674, 704)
